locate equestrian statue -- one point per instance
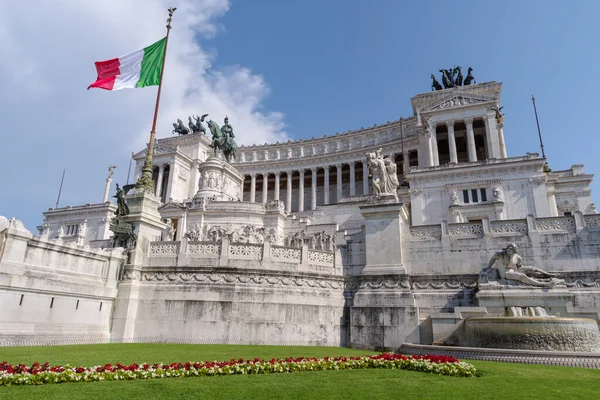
(222, 139)
(452, 77)
(180, 129)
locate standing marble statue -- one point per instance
(168, 234)
(383, 171)
(509, 265)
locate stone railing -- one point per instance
(184, 253)
(516, 227)
(338, 143)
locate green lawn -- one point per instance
(497, 380)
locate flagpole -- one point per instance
(145, 182)
(60, 189)
(538, 126)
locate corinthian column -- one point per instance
(452, 142)
(301, 192)
(288, 197)
(352, 178)
(338, 182)
(365, 166)
(277, 185)
(265, 187)
(313, 189)
(326, 189)
(252, 188)
(472, 151)
(161, 172)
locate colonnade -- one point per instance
(322, 179)
(161, 189)
(494, 139)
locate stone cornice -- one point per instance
(477, 170)
(406, 123)
(489, 90)
(88, 209)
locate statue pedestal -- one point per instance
(146, 221)
(147, 225)
(383, 234)
(219, 181)
(555, 300)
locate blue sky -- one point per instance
(279, 69)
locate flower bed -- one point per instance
(37, 374)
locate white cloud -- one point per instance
(50, 121)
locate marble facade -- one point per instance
(291, 244)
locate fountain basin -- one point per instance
(532, 333)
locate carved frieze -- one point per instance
(235, 279)
(318, 241)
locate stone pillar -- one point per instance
(193, 184)
(265, 188)
(338, 182)
(365, 166)
(383, 238)
(301, 192)
(181, 226)
(491, 134)
(352, 178)
(452, 142)
(434, 147)
(276, 195)
(158, 189)
(429, 149)
(326, 188)
(313, 189)
(106, 190)
(172, 174)
(288, 197)
(501, 141)
(471, 140)
(252, 188)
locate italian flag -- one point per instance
(135, 70)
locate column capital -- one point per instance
(449, 124)
(301, 171)
(313, 170)
(252, 175)
(468, 120)
(289, 172)
(338, 166)
(326, 168)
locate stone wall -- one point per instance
(51, 290)
(223, 292)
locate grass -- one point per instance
(497, 380)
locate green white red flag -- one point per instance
(135, 70)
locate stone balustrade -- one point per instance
(188, 253)
(518, 227)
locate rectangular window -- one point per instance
(72, 230)
(478, 195)
(567, 213)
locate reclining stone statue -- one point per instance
(509, 266)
